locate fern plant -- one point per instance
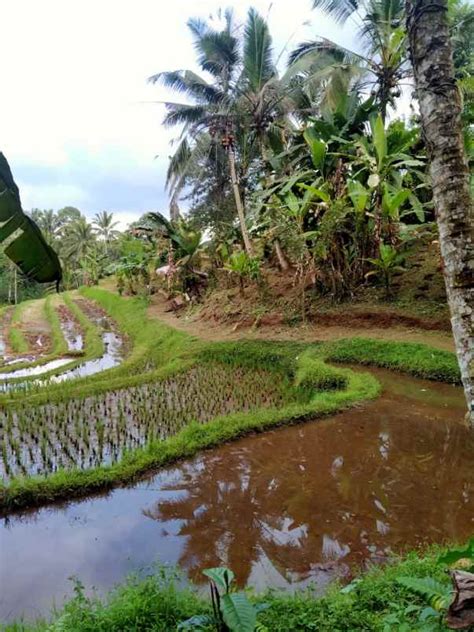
(437, 595)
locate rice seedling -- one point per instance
(100, 429)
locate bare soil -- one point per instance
(381, 325)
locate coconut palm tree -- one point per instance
(105, 227)
(240, 111)
(440, 110)
(207, 121)
(49, 224)
(381, 65)
(79, 239)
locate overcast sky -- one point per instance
(77, 122)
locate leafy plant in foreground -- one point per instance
(232, 611)
(437, 597)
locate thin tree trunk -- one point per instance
(440, 109)
(284, 265)
(238, 203)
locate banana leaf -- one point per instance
(20, 238)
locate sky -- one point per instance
(79, 123)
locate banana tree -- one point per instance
(380, 168)
(20, 238)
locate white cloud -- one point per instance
(51, 195)
(77, 122)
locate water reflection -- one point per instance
(282, 509)
(350, 489)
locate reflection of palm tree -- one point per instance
(336, 491)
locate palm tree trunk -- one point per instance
(174, 209)
(238, 203)
(440, 109)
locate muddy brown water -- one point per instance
(291, 507)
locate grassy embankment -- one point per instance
(158, 351)
(16, 338)
(375, 602)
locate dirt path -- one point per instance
(311, 332)
(35, 327)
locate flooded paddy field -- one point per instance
(292, 507)
(112, 356)
(95, 430)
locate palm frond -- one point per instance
(183, 114)
(178, 163)
(340, 10)
(157, 221)
(218, 53)
(257, 58)
(188, 83)
(184, 161)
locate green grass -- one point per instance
(416, 359)
(157, 604)
(59, 344)
(16, 338)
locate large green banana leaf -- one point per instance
(20, 237)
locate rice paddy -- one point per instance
(135, 394)
(88, 432)
(33, 372)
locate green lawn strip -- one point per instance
(59, 345)
(16, 338)
(93, 345)
(415, 359)
(159, 602)
(29, 491)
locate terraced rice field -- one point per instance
(59, 362)
(62, 414)
(117, 394)
(99, 430)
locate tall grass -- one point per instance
(416, 359)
